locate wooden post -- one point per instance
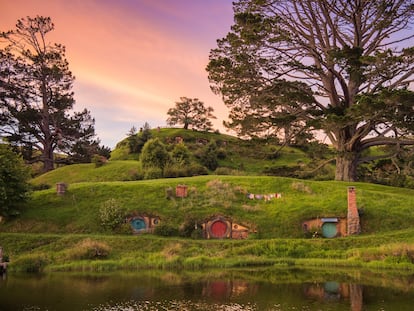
(60, 188)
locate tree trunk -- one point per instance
(346, 166)
(48, 159)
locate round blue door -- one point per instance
(138, 224)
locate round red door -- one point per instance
(219, 229)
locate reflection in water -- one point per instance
(276, 289)
(334, 291)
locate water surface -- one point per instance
(253, 289)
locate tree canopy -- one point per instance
(36, 95)
(14, 186)
(191, 112)
(344, 67)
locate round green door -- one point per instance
(329, 229)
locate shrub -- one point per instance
(227, 171)
(181, 154)
(154, 154)
(209, 156)
(152, 173)
(98, 160)
(111, 214)
(166, 230)
(196, 169)
(136, 174)
(31, 263)
(40, 187)
(221, 153)
(89, 249)
(175, 170)
(14, 187)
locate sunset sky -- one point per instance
(133, 59)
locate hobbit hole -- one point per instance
(219, 227)
(143, 223)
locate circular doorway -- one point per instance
(138, 224)
(219, 229)
(329, 230)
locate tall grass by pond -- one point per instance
(47, 252)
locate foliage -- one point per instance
(89, 249)
(111, 214)
(191, 113)
(14, 187)
(180, 154)
(154, 154)
(165, 229)
(36, 95)
(98, 160)
(175, 170)
(136, 141)
(151, 172)
(31, 263)
(209, 156)
(292, 66)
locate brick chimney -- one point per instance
(354, 226)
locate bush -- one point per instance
(40, 187)
(175, 170)
(227, 171)
(14, 187)
(152, 173)
(89, 249)
(98, 160)
(166, 230)
(196, 169)
(209, 156)
(154, 154)
(111, 214)
(31, 263)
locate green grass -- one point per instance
(111, 171)
(57, 232)
(51, 252)
(384, 208)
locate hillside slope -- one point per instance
(384, 209)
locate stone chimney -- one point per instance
(354, 226)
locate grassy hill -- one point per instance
(65, 232)
(235, 157)
(384, 208)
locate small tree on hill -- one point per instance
(191, 113)
(154, 154)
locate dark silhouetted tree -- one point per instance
(343, 67)
(36, 94)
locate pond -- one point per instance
(247, 289)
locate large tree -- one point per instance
(341, 66)
(191, 112)
(36, 94)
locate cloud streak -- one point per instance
(133, 58)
